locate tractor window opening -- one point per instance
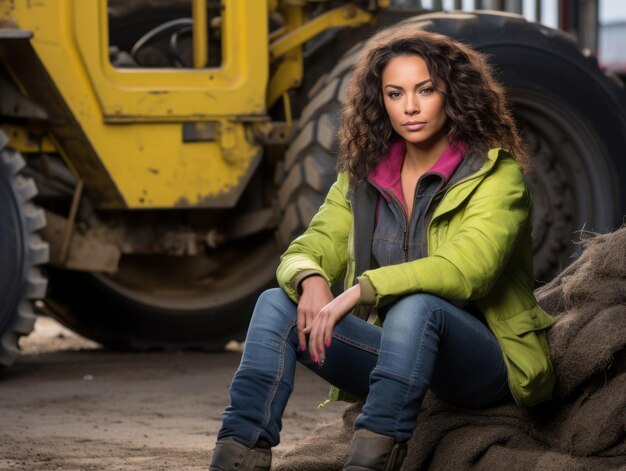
(159, 34)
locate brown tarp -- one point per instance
(583, 428)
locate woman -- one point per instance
(428, 223)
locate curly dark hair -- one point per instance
(478, 113)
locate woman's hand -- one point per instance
(315, 295)
(321, 330)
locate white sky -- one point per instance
(610, 10)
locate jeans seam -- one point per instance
(362, 346)
(491, 338)
(276, 383)
(413, 373)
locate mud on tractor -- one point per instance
(158, 155)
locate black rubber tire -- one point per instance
(21, 252)
(323, 52)
(136, 313)
(571, 114)
(309, 167)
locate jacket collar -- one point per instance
(386, 174)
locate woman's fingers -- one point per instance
(301, 326)
(315, 295)
(320, 329)
(333, 312)
(315, 338)
(318, 332)
(312, 333)
(328, 335)
(305, 322)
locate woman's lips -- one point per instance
(414, 125)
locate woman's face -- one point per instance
(415, 108)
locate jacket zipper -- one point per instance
(405, 244)
(405, 227)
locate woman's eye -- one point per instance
(393, 95)
(427, 90)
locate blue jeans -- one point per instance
(426, 342)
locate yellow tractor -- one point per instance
(156, 156)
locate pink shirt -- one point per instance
(386, 175)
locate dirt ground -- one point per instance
(69, 404)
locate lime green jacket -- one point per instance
(479, 250)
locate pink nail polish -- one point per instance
(328, 344)
(314, 358)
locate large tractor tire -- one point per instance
(572, 117)
(309, 167)
(167, 302)
(21, 251)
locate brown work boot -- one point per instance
(231, 455)
(372, 451)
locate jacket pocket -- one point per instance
(525, 346)
(528, 321)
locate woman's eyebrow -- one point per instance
(416, 86)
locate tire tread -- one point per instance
(36, 252)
